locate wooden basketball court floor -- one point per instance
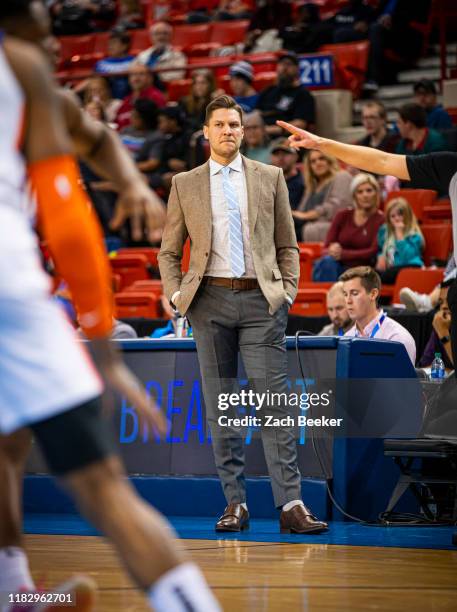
(267, 577)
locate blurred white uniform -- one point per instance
(43, 370)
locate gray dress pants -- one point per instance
(226, 322)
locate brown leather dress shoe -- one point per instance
(235, 518)
(300, 520)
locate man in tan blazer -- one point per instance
(242, 278)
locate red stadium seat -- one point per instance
(202, 49)
(130, 268)
(262, 62)
(417, 279)
(187, 35)
(306, 266)
(438, 242)
(438, 212)
(229, 32)
(137, 304)
(77, 51)
(417, 199)
(141, 40)
(177, 89)
(149, 252)
(185, 256)
(351, 60)
(310, 303)
(315, 247)
(101, 44)
(146, 286)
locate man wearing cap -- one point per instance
(244, 94)
(242, 278)
(288, 100)
(285, 157)
(425, 96)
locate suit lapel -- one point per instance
(253, 189)
(204, 196)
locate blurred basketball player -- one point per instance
(47, 381)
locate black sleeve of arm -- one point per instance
(432, 171)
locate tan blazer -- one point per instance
(271, 228)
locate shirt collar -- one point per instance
(372, 324)
(236, 164)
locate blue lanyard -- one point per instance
(340, 331)
(376, 328)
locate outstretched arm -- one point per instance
(365, 158)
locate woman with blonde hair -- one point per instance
(326, 192)
(352, 238)
(400, 241)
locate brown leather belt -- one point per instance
(238, 284)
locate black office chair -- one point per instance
(431, 459)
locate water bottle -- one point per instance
(437, 372)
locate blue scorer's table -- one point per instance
(374, 387)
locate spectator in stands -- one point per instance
(175, 149)
(400, 241)
(95, 109)
(272, 15)
(232, 9)
(288, 99)
(352, 237)
(130, 15)
(425, 96)
(362, 287)
(327, 190)
(340, 321)
(118, 61)
(162, 55)
(285, 157)
(241, 77)
(393, 31)
(352, 22)
(440, 341)
(97, 89)
(304, 34)
(202, 91)
(256, 142)
(140, 81)
(378, 136)
(416, 137)
(142, 129)
(81, 16)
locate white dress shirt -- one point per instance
(219, 259)
(388, 330)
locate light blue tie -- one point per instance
(236, 234)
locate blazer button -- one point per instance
(199, 278)
(206, 254)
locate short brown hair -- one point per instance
(378, 105)
(369, 278)
(222, 102)
(413, 113)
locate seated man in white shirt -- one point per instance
(361, 288)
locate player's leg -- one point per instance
(14, 568)
(78, 448)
